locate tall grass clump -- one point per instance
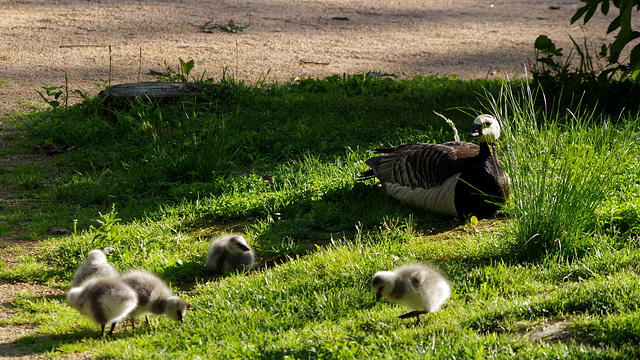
(563, 165)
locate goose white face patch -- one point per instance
(438, 199)
(491, 128)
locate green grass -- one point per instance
(574, 163)
(156, 182)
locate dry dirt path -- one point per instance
(13, 246)
(40, 40)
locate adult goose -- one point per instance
(455, 178)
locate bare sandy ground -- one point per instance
(42, 40)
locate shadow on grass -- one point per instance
(339, 212)
(308, 223)
(186, 275)
(45, 343)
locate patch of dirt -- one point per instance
(9, 334)
(11, 248)
(554, 332)
(557, 331)
(120, 41)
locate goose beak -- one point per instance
(476, 131)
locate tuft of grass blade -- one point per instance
(563, 166)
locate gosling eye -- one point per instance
(486, 124)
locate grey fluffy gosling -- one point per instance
(419, 287)
(103, 300)
(455, 178)
(154, 297)
(95, 265)
(230, 253)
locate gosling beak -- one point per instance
(378, 295)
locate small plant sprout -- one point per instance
(230, 27)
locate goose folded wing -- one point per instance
(422, 165)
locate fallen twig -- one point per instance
(313, 62)
(81, 45)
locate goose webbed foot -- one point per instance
(416, 314)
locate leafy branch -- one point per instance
(623, 38)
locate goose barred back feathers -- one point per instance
(454, 178)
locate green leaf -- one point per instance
(82, 94)
(546, 46)
(579, 13)
(614, 25)
(603, 51)
(543, 42)
(589, 14)
(625, 33)
(634, 64)
(51, 88)
(605, 7)
(634, 57)
(208, 27)
(186, 67)
(547, 61)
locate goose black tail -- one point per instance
(366, 175)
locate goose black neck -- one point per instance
(485, 150)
